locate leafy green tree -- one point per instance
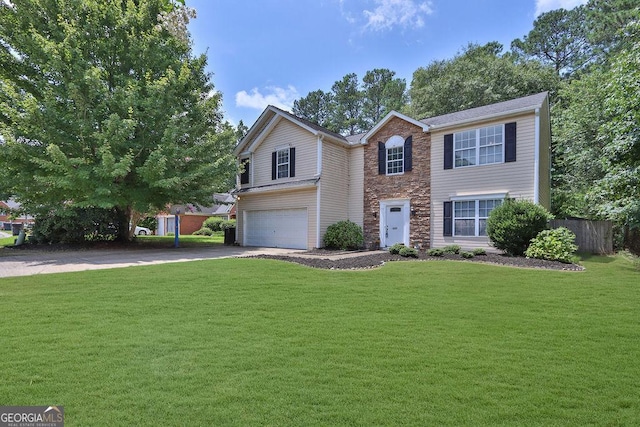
(617, 192)
(102, 104)
(382, 93)
(559, 38)
(478, 76)
(317, 107)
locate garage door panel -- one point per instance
(279, 228)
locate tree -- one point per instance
(558, 38)
(381, 94)
(317, 107)
(606, 21)
(348, 105)
(103, 105)
(478, 76)
(617, 192)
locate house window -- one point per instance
(244, 176)
(395, 155)
(395, 160)
(283, 163)
(479, 146)
(470, 216)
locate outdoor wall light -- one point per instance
(413, 212)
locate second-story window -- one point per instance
(282, 163)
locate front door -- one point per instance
(394, 227)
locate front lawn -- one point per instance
(262, 342)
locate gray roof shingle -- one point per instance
(527, 102)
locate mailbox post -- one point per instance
(176, 240)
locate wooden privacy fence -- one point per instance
(594, 237)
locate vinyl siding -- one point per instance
(334, 186)
(280, 200)
(285, 134)
(515, 179)
(356, 185)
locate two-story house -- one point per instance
(427, 183)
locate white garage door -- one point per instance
(282, 228)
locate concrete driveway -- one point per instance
(28, 263)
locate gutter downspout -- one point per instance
(536, 160)
(319, 190)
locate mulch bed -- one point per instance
(378, 258)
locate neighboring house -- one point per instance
(192, 216)
(7, 219)
(426, 183)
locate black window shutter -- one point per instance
(448, 220)
(244, 176)
(382, 159)
(510, 142)
(408, 153)
(274, 169)
(292, 162)
(448, 151)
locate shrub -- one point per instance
(513, 224)
(213, 223)
(150, 222)
(479, 251)
(75, 225)
(230, 223)
(554, 245)
(467, 255)
(395, 249)
(451, 249)
(344, 235)
(204, 231)
(408, 252)
(435, 252)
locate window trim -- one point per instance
(476, 199)
(287, 163)
(394, 143)
(477, 146)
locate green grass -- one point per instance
(7, 241)
(154, 241)
(261, 342)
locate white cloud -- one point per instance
(391, 13)
(547, 5)
(280, 97)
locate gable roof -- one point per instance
(389, 116)
(514, 106)
(270, 117)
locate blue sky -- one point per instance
(275, 51)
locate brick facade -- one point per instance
(191, 223)
(414, 185)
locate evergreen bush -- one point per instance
(513, 224)
(344, 235)
(451, 249)
(395, 249)
(408, 252)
